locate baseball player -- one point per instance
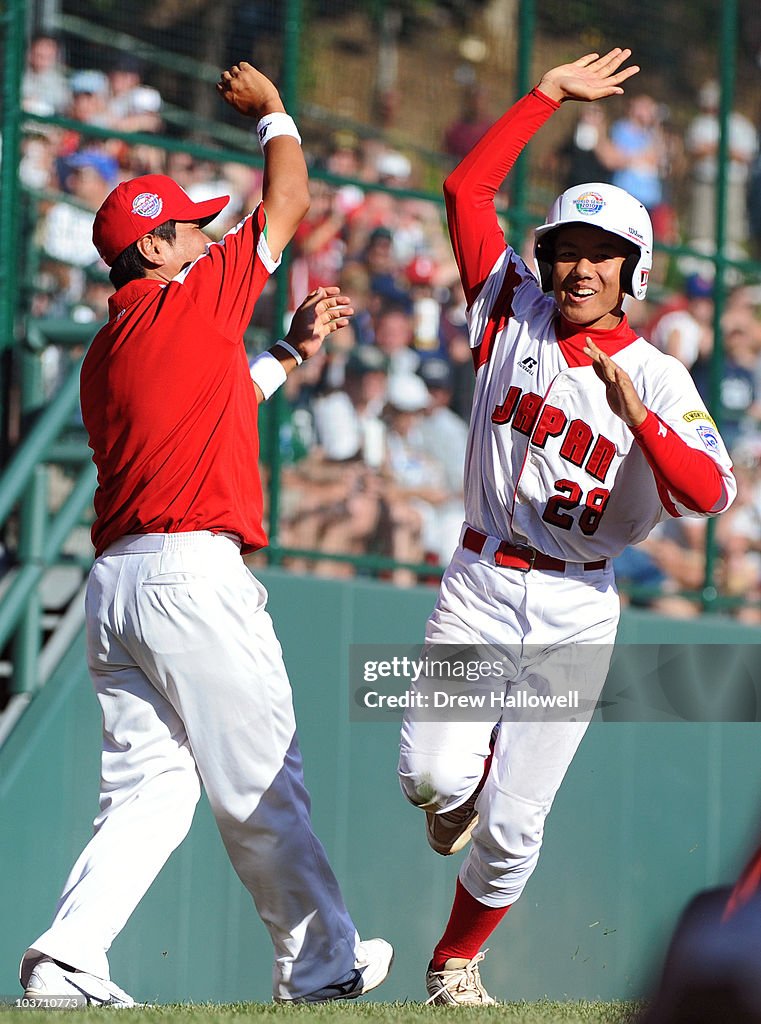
(583, 436)
(185, 663)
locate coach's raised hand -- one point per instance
(591, 77)
(321, 313)
(285, 190)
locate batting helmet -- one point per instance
(610, 209)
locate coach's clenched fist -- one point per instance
(249, 91)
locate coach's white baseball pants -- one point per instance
(555, 632)
(191, 682)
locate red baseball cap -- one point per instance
(421, 270)
(136, 207)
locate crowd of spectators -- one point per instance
(644, 153)
(372, 431)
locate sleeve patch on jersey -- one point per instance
(698, 414)
(709, 437)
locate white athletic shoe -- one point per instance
(50, 984)
(459, 986)
(374, 959)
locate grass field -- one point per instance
(544, 1012)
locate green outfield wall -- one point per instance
(649, 814)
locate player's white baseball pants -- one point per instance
(556, 633)
(191, 682)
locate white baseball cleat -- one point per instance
(50, 984)
(458, 986)
(374, 959)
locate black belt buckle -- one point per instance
(531, 554)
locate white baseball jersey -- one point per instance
(548, 463)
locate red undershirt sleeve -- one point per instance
(691, 476)
(469, 191)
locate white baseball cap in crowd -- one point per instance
(407, 392)
(89, 81)
(393, 165)
(611, 209)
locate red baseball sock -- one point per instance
(748, 885)
(470, 925)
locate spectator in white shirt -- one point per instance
(687, 334)
(44, 89)
(702, 144)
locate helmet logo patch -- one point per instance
(589, 203)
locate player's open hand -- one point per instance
(323, 311)
(619, 390)
(591, 77)
(249, 91)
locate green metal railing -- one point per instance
(24, 495)
(12, 27)
(729, 45)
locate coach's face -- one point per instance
(167, 259)
(189, 243)
(586, 275)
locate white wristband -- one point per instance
(291, 350)
(272, 125)
(268, 373)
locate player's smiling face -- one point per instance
(586, 275)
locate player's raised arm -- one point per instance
(470, 189)
(285, 192)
